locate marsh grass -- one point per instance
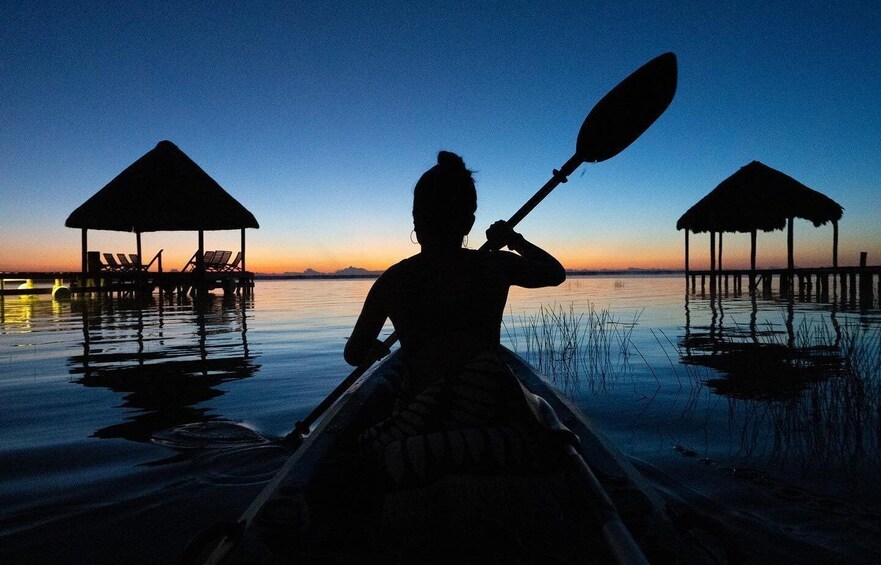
(807, 398)
(836, 422)
(803, 396)
(571, 347)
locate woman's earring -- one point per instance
(465, 241)
(413, 241)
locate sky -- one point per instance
(320, 117)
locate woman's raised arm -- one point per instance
(535, 267)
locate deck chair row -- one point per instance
(216, 261)
(126, 263)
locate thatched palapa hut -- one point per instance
(754, 198)
(162, 191)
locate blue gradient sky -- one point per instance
(320, 118)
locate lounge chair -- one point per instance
(112, 265)
(234, 266)
(218, 262)
(207, 257)
(126, 264)
(134, 264)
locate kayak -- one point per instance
(589, 504)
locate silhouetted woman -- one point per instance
(446, 304)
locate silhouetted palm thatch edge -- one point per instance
(162, 191)
(758, 197)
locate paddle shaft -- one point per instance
(303, 427)
(559, 176)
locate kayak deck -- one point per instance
(331, 507)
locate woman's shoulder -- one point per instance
(397, 272)
(402, 266)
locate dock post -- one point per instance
(866, 290)
(703, 282)
(867, 293)
(713, 273)
(853, 287)
(752, 260)
(686, 257)
(834, 244)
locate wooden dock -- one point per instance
(128, 282)
(853, 284)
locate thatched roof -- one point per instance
(758, 197)
(162, 191)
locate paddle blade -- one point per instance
(628, 110)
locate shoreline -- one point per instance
(569, 273)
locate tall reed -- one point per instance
(572, 347)
(808, 398)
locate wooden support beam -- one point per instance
(200, 256)
(85, 243)
(835, 244)
(686, 254)
(712, 261)
(752, 252)
(243, 249)
(853, 287)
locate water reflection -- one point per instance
(166, 371)
(806, 395)
(762, 362)
(17, 312)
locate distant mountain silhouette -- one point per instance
(354, 272)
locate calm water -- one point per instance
(762, 406)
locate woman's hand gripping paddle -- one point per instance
(616, 121)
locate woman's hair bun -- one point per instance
(450, 161)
